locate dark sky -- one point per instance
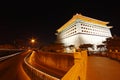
(23, 20)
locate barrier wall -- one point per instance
(55, 60)
(34, 73)
(61, 66)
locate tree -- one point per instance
(86, 46)
(112, 43)
(101, 47)
(71, 46)
(55, 47)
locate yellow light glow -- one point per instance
(32, 40)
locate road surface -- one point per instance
(11, 69)
(102, 68)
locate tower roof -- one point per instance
(84, 18)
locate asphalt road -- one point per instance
(102, 68)
(11, 68)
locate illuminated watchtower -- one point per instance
(83, 30)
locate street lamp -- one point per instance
(32, 41)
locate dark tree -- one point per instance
(101, 47)
(86, 46)
(112, 43)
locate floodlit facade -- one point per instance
(83, 30)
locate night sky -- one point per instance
(24, 20)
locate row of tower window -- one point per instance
(95, 33)
(85, 28)
(95, 28)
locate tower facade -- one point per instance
(83, 30)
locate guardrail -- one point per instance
(34, 73)
(76, 72)
(8, 56)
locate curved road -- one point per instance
(11, 68)
(98, 68)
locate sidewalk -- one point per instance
(102, 68)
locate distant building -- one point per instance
(83, 30)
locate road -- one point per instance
(103, 68)
(11, 69)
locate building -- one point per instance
(83, 30)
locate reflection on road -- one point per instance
(11, 69)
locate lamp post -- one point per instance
(32, 41)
